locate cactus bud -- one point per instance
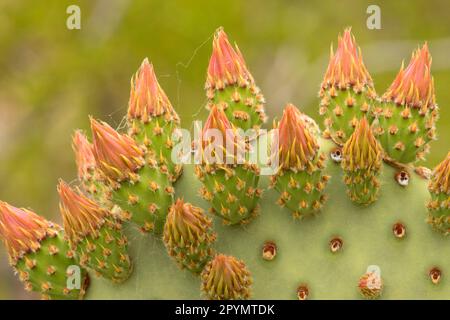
(347, 91)
(152, 120)
(439, 205)
(230, 185)
(94, 234)
(188, 236)
(407, 116)
(226, 278)
(230, 85)
(139, 187)
(362, 160)
(38, 253)
(299, 179)
(371, 285)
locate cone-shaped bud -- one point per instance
(370, 285)
(347, 92)
(95, 234)
(226, 278)
(91, 178)
(407, 116)
(362, 160)
(299, 179)
(138, 185)
(439, 204)
(297, 144)
(188, 236)
(230, 85)
(230, 182)
(117, 155)
(147, 98)
(38, 253)
(152, 120)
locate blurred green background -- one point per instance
(51, 78)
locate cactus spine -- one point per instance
(347, 92)
(38, 254)
(299, 179)
(139, 187)
(362, 160)
(188, 236)
(152, 121)
(408, 113)
(95, 234)
(439, 205)
(230, 85)
(226, 278)
(230, 185)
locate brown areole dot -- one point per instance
(302, 292)
(336, 244)
(402, 178)
(336, 154)
(435, 275)
(399, 230)
(269, 250)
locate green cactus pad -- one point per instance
(303, 250)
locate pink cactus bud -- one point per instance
(296, 142)
(116, 154)
(23, 230)
(440, 180)
(346, 67)
(84, 155)
(226, 66)
(81, 216)
(147, 98)
(414, 86)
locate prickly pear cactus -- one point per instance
(358, 220)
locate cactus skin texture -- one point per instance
(139, 187)
(439, 204)
(276, 256)
(231, 187)
(230, 85)
(361, 162)
(95, 234)
(226, 278)
(152, 121)
(38, 253)
(188, 236)
(408, 113)
(299, 179)
(347, 92)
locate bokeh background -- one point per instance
(52, 78)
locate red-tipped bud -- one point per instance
(81, 216)
(147, 99)
(23, 230)
(346, 67)
(84, 155)
(218, 122)
(362, 150)
(414, 85)
(226, 66)
(297, 145)
(117, 155)
(440, 179)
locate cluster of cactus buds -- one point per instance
(127, 178)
